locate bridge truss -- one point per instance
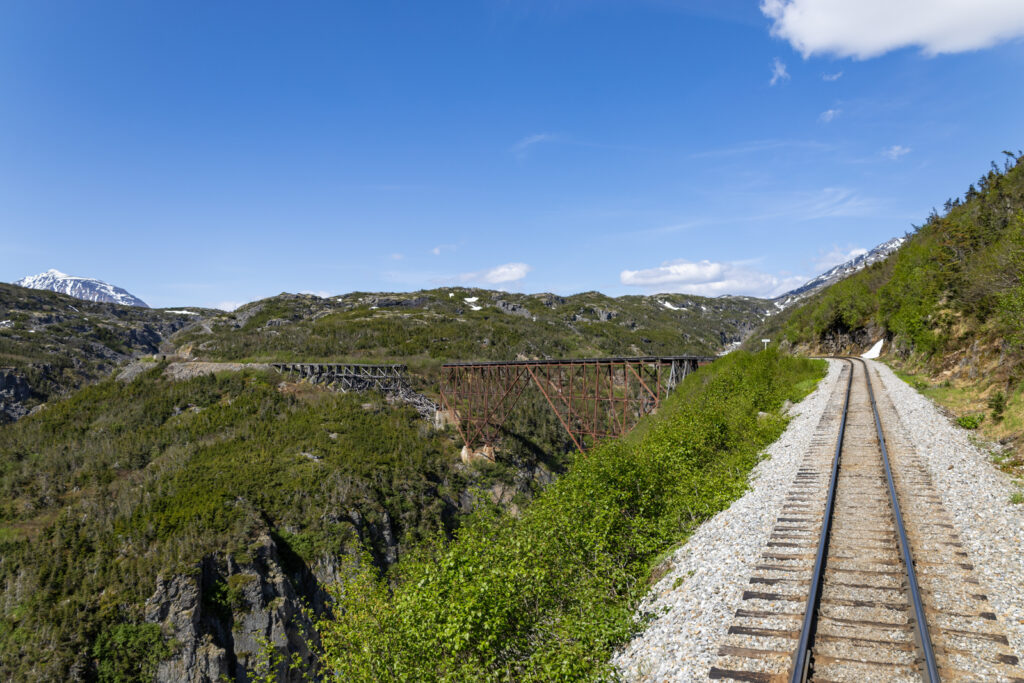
(349, 376)
(593, 398)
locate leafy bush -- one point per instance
(548, 596)
(970, 421)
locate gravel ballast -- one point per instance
(976, 495)
(695, 601)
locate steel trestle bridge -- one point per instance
(593, 398)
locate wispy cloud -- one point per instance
(710, 278)
(829, 114)
(757, 146)
(829, 202)
(322, 293)
(396, 256)
(832, 77)
(779, 72)
(522, 147)
(503, 274)
(230, 305)
(869, 28)
(895, 152)
(441, 248)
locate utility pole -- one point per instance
(765, 342)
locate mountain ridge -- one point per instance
(85, 288)
(839, 272)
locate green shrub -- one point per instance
(970, 421)
(130, 652)
(997, 404)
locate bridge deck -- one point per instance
(583, 361)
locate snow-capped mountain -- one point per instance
(87, 288)
(843, 270)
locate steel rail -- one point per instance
(800, 658)
(921, 625)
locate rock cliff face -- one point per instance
(14, 390)
(238, 620)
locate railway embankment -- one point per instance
(734, 597)
(694, 601)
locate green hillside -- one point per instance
(52, 344)
(428, 327)
(949, 302)
(171, 521)
(124, 482)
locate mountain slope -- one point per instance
(85, 288)
(949, 304)
(51, 344)
(837, 273)
(449, 324)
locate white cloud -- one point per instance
(829, 114)
(507, 272)
(836, 256)
(230, 305)
(779, 72)
(322, 293)
(710, 278)
(832, 77)
(895, 152)
(522, 147)
(869, 28)
(437, 251)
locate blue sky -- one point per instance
(211, 153)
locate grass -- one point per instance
(971, 405)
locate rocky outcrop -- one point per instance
(232, 619)
(512, 309)
(14, 389)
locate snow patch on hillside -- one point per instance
(875, 351)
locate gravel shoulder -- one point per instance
(695, 601)
(977, 496)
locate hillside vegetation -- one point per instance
(432, 326)
(546, 597)
(121, 483)
(52, 344)
(155, 524)
(949, 302)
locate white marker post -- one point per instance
(765, 342)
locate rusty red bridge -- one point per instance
(593, 398)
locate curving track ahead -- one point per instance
(838, 595)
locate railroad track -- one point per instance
(864, 577)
